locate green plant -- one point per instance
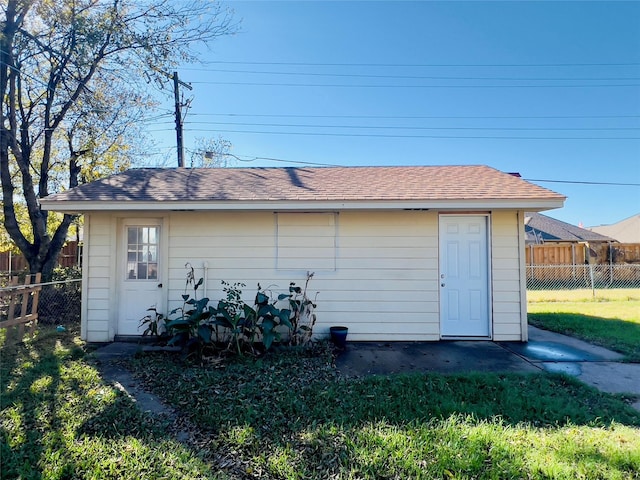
(230, 315)
(233, 322)
(268, 317)
(246, 323)
(61, 274)
(303, 318)
(155, 322)
(190, 328)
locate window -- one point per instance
(142, 253)
(306, 241)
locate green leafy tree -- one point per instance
(72, 79)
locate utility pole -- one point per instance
(178, 114)
(178, 109)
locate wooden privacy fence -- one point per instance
(21, 304)
(581, 253)
(615, 264)
(555, 254)
(70, 256)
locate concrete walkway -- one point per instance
(553, 352)
(595, 366)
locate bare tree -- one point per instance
(72, 96)
(211, 152)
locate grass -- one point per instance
(289, 415)
(611, 320)
(60, 420)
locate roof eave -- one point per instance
(529, 204)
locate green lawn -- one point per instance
(612, 319)
(58, 419)
(289, 415)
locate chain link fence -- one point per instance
(59, 301)
(572, 277)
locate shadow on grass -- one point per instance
(30, 376)
(282, 393)
(284, 400)
(58, 419)
(299, 414)
(615, 334)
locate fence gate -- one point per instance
(22, 304)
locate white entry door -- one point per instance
(140, 282)
(464, 276)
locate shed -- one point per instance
(422, 253)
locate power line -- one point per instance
(329, 134)
(336, 85)
(618, 184)
(408, 117)
(309, 64)
(32, 77)
(396, 127)
(281, 160)
(409, 77)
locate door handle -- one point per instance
(159, 285)
(442, 284)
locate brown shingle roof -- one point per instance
(307, 184)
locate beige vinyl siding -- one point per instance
(98, 268)
(383, 285)
(505, 262)
(306, 241)
(237, 247)
(386, 285)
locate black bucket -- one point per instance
(339, 336)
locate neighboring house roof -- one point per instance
(328, 187)
(625, 231)
(540, 228)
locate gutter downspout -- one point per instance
(524, 321)
(205, 268)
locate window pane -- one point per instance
(142, 253)
(153, 271)
(132, 235)
(142, 271)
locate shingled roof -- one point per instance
(202, 187)
(541, 228)
(625, 231)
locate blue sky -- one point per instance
(547, 89)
